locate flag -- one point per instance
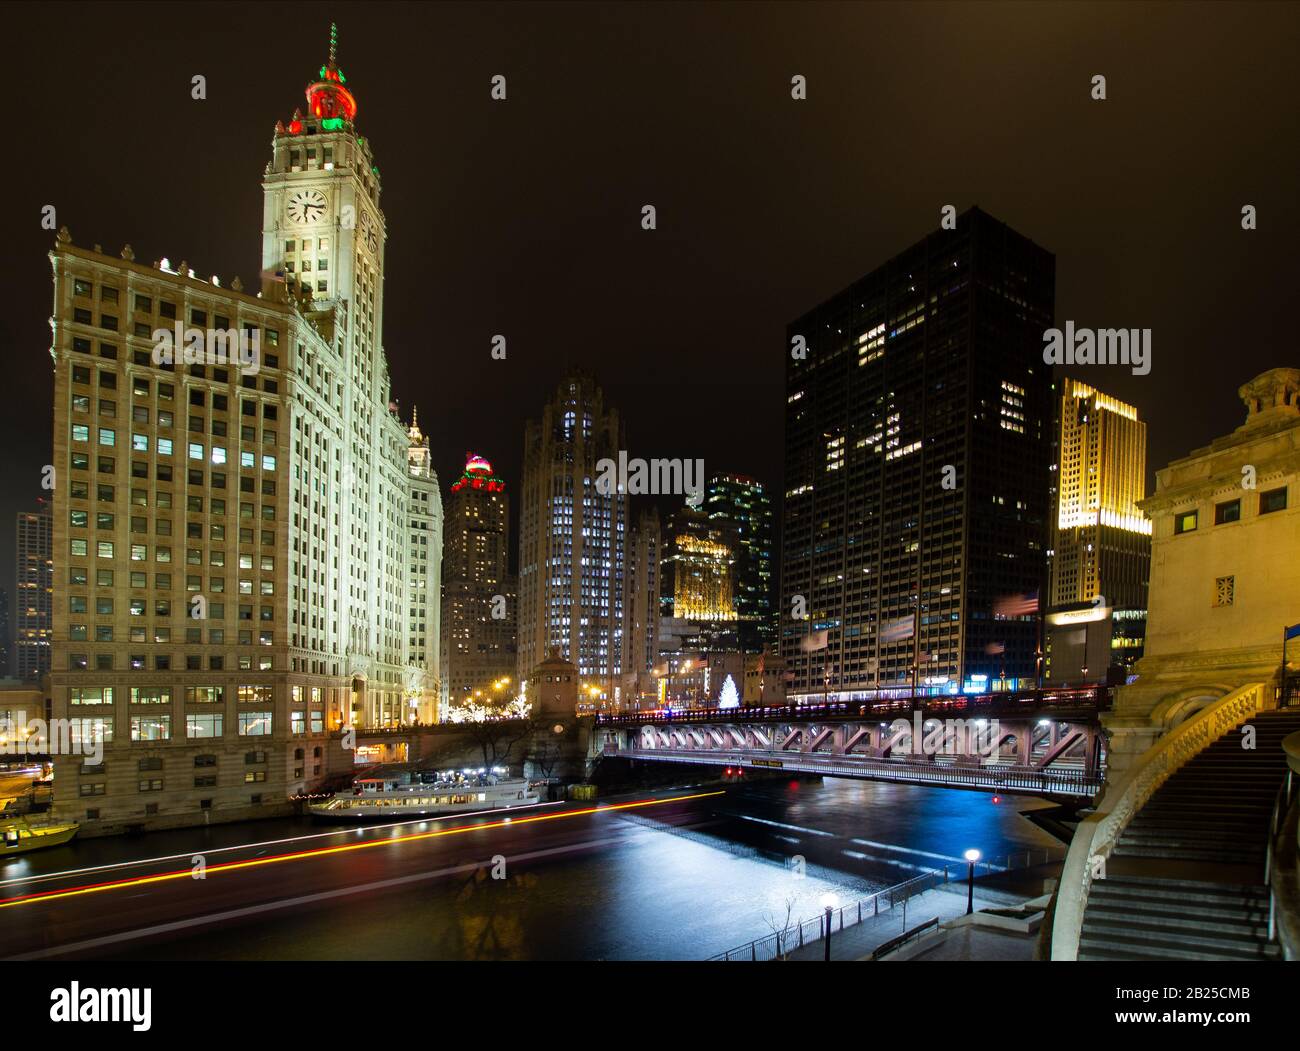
(1293, 632)
(1016, 605)
(814, 641)
(898, 630)
(994, 648)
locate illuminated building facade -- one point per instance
(237, 549)
(1224, 572)
(641, 608)
(479, 594)
(424, 596)
(5, 637)
(34, 581)
(699, 562)
(1101, 549)
(744, 503)
(572, 538)
(918, 444)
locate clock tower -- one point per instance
(321, 223)
(322, 230)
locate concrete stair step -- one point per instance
(1100, 949)
(1177, 911)
(1194, 928)
(1177, 946)
(1183, 890)
(1222, 841)
(1185, 820)
(1227, 857)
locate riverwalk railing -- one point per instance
(776, 945)
(896, 943)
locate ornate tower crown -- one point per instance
(1271, 395)
(327, 98)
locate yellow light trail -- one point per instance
(231, 866)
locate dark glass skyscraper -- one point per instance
(918, 451)
(744, 502)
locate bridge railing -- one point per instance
(776, 945)
(1007, 778)
(1096, 698)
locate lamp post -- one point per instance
(829, 901)
(971, 856)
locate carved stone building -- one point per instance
(1225, 568)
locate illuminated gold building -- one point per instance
(1101, 550)
(698, 559)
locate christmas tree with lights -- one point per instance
(729, 698)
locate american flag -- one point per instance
(898, 630)
(1016, 605)
(994, 648)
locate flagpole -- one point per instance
(1285, 696)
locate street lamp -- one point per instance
(972, 856)
(829, 901)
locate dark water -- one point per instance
(630, 885)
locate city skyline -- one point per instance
(757, 483)
(1101, 238)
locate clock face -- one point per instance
(369, 233)
(306, 206)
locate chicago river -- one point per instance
(678, 873)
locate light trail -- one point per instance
(233, 866)
(341, 830)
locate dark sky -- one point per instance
(523, 218)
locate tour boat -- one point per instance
(18, 836)
(401, 796)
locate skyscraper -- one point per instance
(479, 597)
(641, 606)
(238, 566)
(1101, 540)
(34, 581)
(424, 613)
(699, 575)
(744, 502)
(6, 639)
(918, 417)
(572, 538)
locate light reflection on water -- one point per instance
(657, 891)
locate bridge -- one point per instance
(1042, 742)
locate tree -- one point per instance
(781, 927)
(496, 724)
(729, 697)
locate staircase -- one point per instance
(1185, 881)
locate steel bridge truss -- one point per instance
(1050, 757)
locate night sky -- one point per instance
(523, 217)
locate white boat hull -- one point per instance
(369, 807)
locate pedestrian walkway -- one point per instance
(857, 942)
